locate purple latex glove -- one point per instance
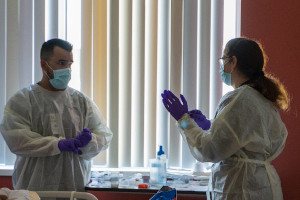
(173, 104)
(70, 145)
(200, 119)
(84, 136)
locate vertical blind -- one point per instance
(130, 51)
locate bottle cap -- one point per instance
(160, 152)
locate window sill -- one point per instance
(175, 171)
(6, 170)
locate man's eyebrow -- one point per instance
(65, 60)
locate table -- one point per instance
(184, 184)
(200, 192)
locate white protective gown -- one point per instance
(35, 120)
(247, 133)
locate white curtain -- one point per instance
(161, 44)
(3, 54)
(19, 51)
(130, 51)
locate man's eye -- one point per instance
(65, 63)
(62, 63)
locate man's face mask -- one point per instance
(226, 77)
(61, 77)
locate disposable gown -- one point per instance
(35, 120)
(247, 133)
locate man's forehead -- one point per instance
(62, 53)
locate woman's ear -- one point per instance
(233, 63)
(234, 60)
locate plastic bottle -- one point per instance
(163, 167)
(160, 152)
(158, 169)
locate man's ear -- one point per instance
(43, 65)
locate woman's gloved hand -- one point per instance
(173, 104)
(70, 145)
(84, 136)
(200, 119)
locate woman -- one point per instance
(247, 132)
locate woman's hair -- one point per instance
(251, 62)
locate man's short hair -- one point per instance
(48, 46)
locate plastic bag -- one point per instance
(165, 193)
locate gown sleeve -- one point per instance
(101, 134)
(236, 125)
(16, 130)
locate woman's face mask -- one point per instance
(61, 77)
(226, 77)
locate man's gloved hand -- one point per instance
(70, 145)
(173, 104)
(84, 136)
(200, 119)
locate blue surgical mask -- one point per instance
(226, 77)
(61, 78)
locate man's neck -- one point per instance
(46, 85)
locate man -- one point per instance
(53, 129)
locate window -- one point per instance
(126, 53)
(231, 26)
(74, 37)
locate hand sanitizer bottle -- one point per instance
(158, 169)
(161, 156)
